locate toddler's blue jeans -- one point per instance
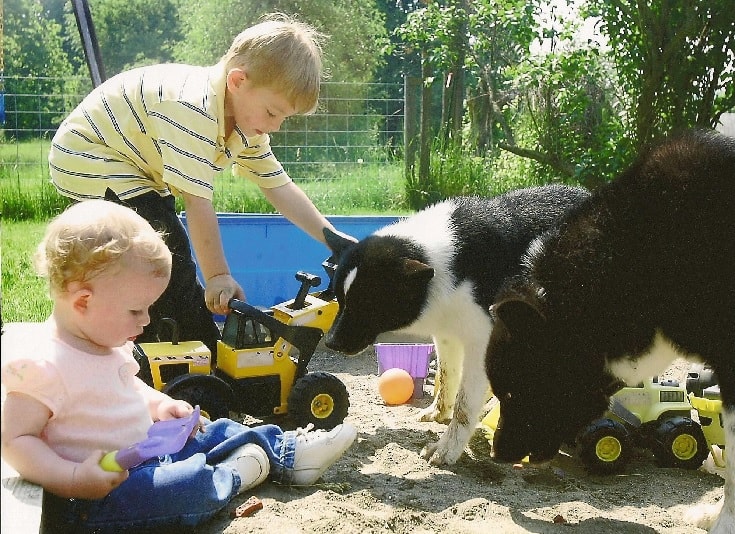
(183, 489)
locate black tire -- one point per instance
(679, 442)
(604, 447)
(318, 398)
(212, 402)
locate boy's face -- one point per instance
(115, 308)
(255, 109)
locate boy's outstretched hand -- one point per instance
(218, 292)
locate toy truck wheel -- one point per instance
(604, 447)
(318, 398)
(213, 401)
(679, 442)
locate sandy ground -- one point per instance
(383, 485)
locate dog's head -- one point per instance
(546, 394)
(380, 283)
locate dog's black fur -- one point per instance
(640, 273)
(435, 274)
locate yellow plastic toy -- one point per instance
(710, 417)
(261, 363)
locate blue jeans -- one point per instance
(183, 489)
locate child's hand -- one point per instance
(170, 408)
(175, 409)
(220, 289)
(90, 481)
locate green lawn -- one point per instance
(360, 191)
(24, 295)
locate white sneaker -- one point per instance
(252, 464)
(316, 451)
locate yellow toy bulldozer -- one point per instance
(261, 365)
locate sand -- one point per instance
(383, 485)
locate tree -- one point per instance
(134, 32)
(675, 61)
(502, 33)
(670, 65)
(352, 52)
(438, 33)
(35, 65)
(562, 116)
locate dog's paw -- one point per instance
(432, 413)
(440, 454)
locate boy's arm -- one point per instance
(290, 200)
(23, 420)
(203, 227)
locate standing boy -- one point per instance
(154, 132)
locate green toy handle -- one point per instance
(108, 462)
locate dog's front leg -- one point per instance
(720, 517)
(449, 355)
(472, 395)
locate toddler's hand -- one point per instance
(90, 481)
(220, 289)
(176, 409)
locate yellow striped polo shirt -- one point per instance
(158, 128)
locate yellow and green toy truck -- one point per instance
(656, 414)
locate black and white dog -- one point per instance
(639, 274)
(435, 274)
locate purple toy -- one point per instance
(164, 437)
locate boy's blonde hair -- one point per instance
(90, 237)
(283, 54)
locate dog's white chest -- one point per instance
(634, 368)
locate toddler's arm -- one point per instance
(23, 420)
(161, 406)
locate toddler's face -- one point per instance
(117, 309)
(256, 109)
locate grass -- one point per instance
(24, 295)
(336, 189)
(29, 201)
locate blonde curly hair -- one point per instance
(90, 237)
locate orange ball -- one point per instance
(395, 386)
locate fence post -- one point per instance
(425, 135)
(411, 117)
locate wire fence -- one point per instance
(355, 124)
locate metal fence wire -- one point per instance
(355, 123)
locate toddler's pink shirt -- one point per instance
(94, 399)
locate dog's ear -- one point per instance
(517, 315)
(337, 242)
(111, 196)
(417, 270)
